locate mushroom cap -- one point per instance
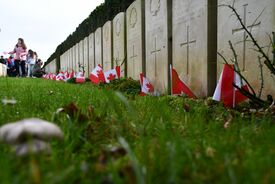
(33, 128)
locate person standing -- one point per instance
(31, 60)
(20, 51)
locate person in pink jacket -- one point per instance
(20, 51)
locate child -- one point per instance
(31, 62)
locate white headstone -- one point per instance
(190, 24)
(91, 52)
(158, 48)
(51, 67)
(107, 45)
(135, 39)
(71, 60)
(62, 62)
(86, 56)
(54, 66)
(98, 46)
(66, 61)
(119, 42)
(81, 53)
(3, 70)
(75, 57)
(77, 60)
(259, 19)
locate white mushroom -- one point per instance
(30, 135)
(9, 101)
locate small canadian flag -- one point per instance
(178, 86)
(118, 71)
(225, 91)
(80, 78)
(72, 74)
(52, 76)
(110, 75)
(146, 86)
(97, 75)
(60, 77)
(66, 76)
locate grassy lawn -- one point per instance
(113, 138)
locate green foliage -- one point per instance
(97, 18)
(146, 140)
(125, 85)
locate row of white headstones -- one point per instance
(152, 34)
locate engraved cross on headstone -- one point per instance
(133, 57)
(240, 29)
(187, 44)
(117, 60)
(155, 51)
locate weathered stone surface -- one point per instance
(51, 67)
(107, 46)
(158, 46)
(3, 70)
(68, 58)
(91, 52)
(77, 57)
(119, 42)
(190, 39)
(135, 39)
(81, 52)
(86, 56)
(98, 47)
(259, 18)
(63, 62)
(71, 60)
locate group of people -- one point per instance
(22, 62)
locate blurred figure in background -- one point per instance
(2, 60)
(37, 71)
(20, 51)
(31, 60)
(11, 70)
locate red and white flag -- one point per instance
(146, 86)
(118, 71)
(110, 75)
(80, 78)
(45, 76)
(67, 76)
(52, 76)
(60, 77)
(225, 91)
(178, 86)
(97, 75)
(72, 74)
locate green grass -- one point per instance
(164, 143)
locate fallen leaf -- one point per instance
(73, 111)
(210, 152)
(127, 172)
(186, 107)
(227, 123)
(253, 111)
(117, 152)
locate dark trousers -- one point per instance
(16, 66)
(20, 66)
(23, 68)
